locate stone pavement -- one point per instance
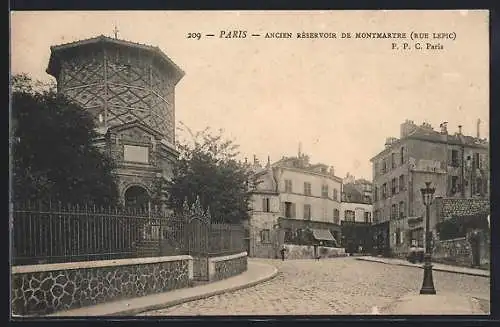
(435, 266)
(257, 272)
(438, 304)
(343, 286)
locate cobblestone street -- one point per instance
(331, 286)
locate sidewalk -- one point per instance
(257, 273)
(435, 266)
(439, 304)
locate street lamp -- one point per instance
(428, 283)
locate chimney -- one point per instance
(477, 128)
(444, 127)
(460, 129)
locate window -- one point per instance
(336, 216)
(375, 193)
(384, 191)
(324, 191)
(394, 211)
(401, 156)
(134, 153)
(454, 158)
(475, 161)
(307, 188)
(367, 217)
(288, 186)
(266, 205)
(375, 168)
(393, 186)
(264, 236)
(335, 194)
(349, 215)
(289, 210)
(402, 209)
(402, 183)
(393, 160)
(384, 166)
(307, 211)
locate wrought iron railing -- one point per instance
(52, 233)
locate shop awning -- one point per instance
(323, 235)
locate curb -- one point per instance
(168, 304)
(433, 268)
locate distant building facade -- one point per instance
(457, 166)
(356, 214)
(129, 90)
(292, 197)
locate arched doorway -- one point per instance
(137, 197)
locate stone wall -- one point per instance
(227, 266)
(459, 251)
(44, 289)
(448, 207)
(307, 252)
(456, 251)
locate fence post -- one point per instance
(231, 238)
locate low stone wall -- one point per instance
(46, 288)
(458, 251)
(224, 267)
(453, 251)
(307, 252)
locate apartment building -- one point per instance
(293, 196)
(455, 164)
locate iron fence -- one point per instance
(48, 233)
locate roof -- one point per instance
(54, 64)
(424, 134)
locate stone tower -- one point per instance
(129, 90)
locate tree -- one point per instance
(207, 169)
(54, 156)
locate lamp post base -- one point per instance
(428, 283)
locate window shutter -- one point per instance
(282, 205)
(450, 185)
(449, 157)
(293, 210)
(264, 204)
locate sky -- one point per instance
(339, 98)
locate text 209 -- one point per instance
(194, 36)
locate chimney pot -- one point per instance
(459, 129)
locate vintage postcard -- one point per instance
(186, 163)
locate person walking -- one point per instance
(282, 251)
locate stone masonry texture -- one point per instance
(229, 268)
(49, 291)
(458, 251)
(448, 207)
